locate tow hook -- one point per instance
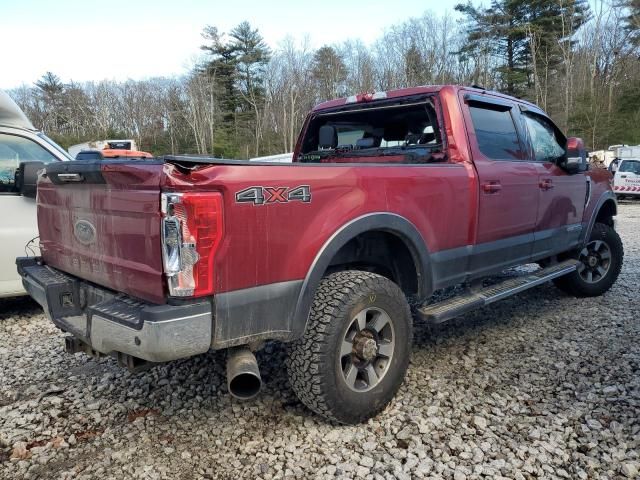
(74, 345)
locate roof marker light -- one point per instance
(366, 97)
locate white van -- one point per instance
(626, 181)
(23, 152)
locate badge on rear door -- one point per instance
(85, 232)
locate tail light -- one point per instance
(191, 233)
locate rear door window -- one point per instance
(13, 150)
(496, 132)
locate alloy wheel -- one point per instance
(595, 260)
(367, 349)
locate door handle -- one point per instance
(546, 184)
(491, 187)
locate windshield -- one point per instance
(630, 166)
(57, 147)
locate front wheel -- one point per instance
(355, 351)
(600, 264)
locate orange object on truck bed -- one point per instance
(117, 153)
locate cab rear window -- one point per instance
(383, 133)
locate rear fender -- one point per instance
(382, 221)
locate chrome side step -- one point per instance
(461, 304)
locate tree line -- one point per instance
(578, 62)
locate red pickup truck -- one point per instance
(391, 196)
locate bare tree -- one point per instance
(241, 101)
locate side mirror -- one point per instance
(575, 161)
(27, 178)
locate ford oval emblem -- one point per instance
(85, 232)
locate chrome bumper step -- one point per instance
(461, 304)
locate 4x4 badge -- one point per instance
(267, 195)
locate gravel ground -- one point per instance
(541, 385)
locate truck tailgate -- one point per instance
(100, 221)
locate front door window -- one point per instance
(546, 145)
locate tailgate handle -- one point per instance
(70, 177)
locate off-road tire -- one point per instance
(574, 284)
(313, 362)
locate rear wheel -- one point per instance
(354, 354)
(600, 264)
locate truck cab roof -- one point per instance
(11, 115)
(412, 91)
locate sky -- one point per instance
(83, 40)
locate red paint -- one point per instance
(600, 182)
(126, 255)
(279, 240)
(560, 195)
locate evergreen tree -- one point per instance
(50, 91)
(506, 29)
(50, 86)
(237, 68)
(251, 56)
(329, 73)
(626, 120)
(222, 69)
(415, 67)
(633, 20)
(498, 29)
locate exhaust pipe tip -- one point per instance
(243, 374)
(245, 386)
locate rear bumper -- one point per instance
(110, 322)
